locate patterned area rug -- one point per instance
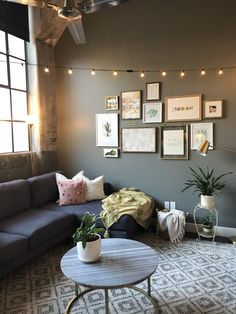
(193, 277)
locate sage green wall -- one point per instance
(150, 34)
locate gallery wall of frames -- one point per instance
(170, 127)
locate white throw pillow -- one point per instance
(94, 189)
(61, 177)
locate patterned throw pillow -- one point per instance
(70, 191)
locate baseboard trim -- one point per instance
(220, 231)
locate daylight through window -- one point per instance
(14, 136)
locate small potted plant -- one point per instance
(206, 183)
(88, 239)
(208, 223)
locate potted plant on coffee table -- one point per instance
(206, 183)
(88, 239)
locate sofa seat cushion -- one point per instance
(11, 247)
(37, 225)
(125, 223)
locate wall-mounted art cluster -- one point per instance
(174, 139)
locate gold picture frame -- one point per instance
(183, 108)
(139, 140)
(131, 105)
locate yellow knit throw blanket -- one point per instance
(127, 201)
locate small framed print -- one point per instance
(110, 152)
(112, 103)
(153, 91)
(131, 105)
(174, 142)
(152, 112)
(201, 132)
(213, 109)
(183, 108)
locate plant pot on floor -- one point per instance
(91, 252)
(207, 201)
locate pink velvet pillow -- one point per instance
(71, 192)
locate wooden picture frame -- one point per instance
(213, 109)
(153, 91)
(152, 112)
(112, 103)
(138, 140)
(174, 142)
(131, 105)
(201, 132)
(107, 129)
(183, 108)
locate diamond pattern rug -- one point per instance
(192, 277)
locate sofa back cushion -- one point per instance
(14, 197)
(43, 189)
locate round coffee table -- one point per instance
(123, 263)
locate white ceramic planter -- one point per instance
(92, 251)
(207, 201)
(207, 229)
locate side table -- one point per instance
(199, 229)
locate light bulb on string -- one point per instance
(70, 71)
(46, 69)
(163, 73)
(203, 72)
(182, 73)
(93, 72)
(115, 73)
(220, 72)
(142, 74)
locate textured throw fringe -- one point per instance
(106, 234)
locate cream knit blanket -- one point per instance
(174, 222)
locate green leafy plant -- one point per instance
(208, 221)
(87, 231)
(205, 181)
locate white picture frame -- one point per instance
(110, 152)
(213, 109)
(107, 129)
(152, 112)
(201, 132)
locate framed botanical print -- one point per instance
(153, 91)
(183, 108)
(174, 142)
(138, 140)
(152, 112)
(131, 105)
(201, 132)
(213, 109)
(107, 129)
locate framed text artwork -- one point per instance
(107, 129)
(213, 109)
(138, 140)
(201, 132)
(111, 103)
(131, 105)
(152, 112)
(183, 108)
(174, 142)
(153, 91)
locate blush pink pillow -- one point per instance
(71, 192)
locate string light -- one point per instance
(142, 74)
(163, 73)
(93, 72)
(220, 72)
(203, 72)
(182, 73)
(70, 71)
(46, 69)
(115, 73)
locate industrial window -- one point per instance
(14, 133)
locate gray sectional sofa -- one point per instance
(31, 220)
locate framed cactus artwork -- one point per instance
(107, 129)
(152, 112)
